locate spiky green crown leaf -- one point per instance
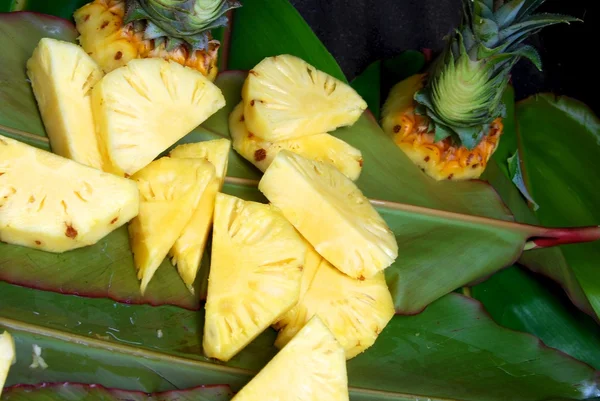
(463, 94)
(180, 21)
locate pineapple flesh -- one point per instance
(142, 109)
(330, 211)
(285, 97)
(255, 274)
(321, 147)
(7, 356)
(62, 76)
(355, 311)
(170, 191)
(311, 367)
(187, 252)
(54, 204)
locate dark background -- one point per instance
(358, 32)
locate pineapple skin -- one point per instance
(320, 147)
(440, 160)
(7, 356)
(62, 76)
(64, 205)
(311, 367)
(332, 214)
(112, 43)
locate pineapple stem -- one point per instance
(551, 237)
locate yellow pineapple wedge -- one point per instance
(187, 252)
(7, 356)
(142, 109)
(255, 274)
(355, 311)
(331, 212)
(170, 190)
(311, 367)
(321, 147)
(62, 76)
(285, 97)
(55, 204)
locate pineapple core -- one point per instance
(55, 204)
(255, 274)
(311, 367)
(7, 356)
(330, 211)
(62, 76)
(320, 147)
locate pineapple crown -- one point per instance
(180, 22)
(463, 94)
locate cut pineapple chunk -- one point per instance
(62, 76)
(170, 191)
(189, 247)
(55, 204)
(311, 367)
(7, 356)
(330, 211)
(321, 147)
(285, 97)
(255, 274)
(146, 106)
(355, 311)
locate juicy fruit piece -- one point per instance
(355, 311)
(311, 367)
(330, 211)
(64, 205)
(441, 160)
(321, 147)
(7, 356)
(255, 274)
(285, 97)
(145, 107)
(62, 76)
(170, 191)
(189, 247)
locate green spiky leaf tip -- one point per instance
(463, 93)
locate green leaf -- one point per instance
(514, 169)
(368, 84)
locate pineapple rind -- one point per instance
(332, 214)
(311, 367)
(54, 204)
(320, 147)
(255, 274)
(7, 356)
(62, 76)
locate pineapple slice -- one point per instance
(311, 367)
(143, 108)
(7, 356)
(189, 247)
(255, 274)
(355, 311)
(321, 147)
(62, 76)
(285, 97)
(170, 191)
(55, 204)
(331, 212)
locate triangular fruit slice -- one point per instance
(255, 274)
(54, 204)
(7, 356)
(355, 311)
(62, 76)
(189, 247)
(285, 97)
(146, 106)
(311, 367)
(331, 212)
(170, 190)
(321, 147)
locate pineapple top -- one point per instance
(463, 95)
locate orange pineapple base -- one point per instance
(442, 160)
(112, 44)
